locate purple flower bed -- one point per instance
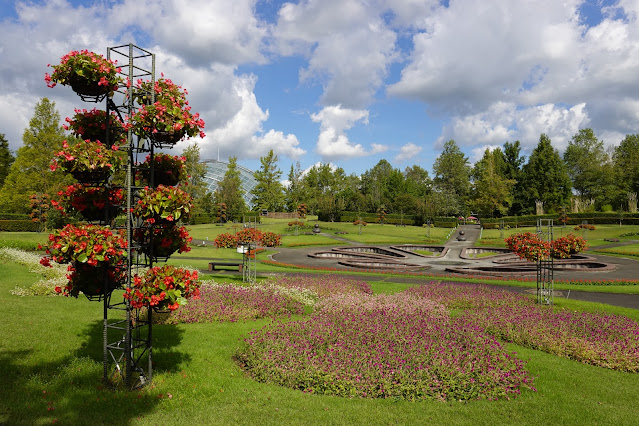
(605, 340)
(384, 347)
(325, 285)
(468, 296)
(218, 303)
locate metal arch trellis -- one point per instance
(127, 334)
(545, 265)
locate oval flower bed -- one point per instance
(384, 347)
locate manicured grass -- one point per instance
(51, 369)
(594, 238)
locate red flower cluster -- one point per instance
(165, 287)
(168, 169)
(164, 240)
(88, 200)
(164, 203)
(245, 236)
(564, 247)
(92, 125)
(528, 246)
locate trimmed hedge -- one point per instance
(18, 226)
(593, 218)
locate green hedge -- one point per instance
(593, 218)
(18, 226)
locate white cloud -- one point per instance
(408, 152)
(348, 44)
(332, 142)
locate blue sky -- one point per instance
(351, 81)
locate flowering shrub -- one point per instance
(301, 211)
(170, 113)
(168, 169)
(96, 254)
(384, 347)
(86, 68)
(528, 246)
(92, 125)
(163, 204)
(564, 247)
(271, 239)
(232, 303)
(247, 235)
(88, 157)
(360, 222)
(297, 223)
(225, 241)
(90, 201)
(585, 226)
(163, 241)
(165, 287)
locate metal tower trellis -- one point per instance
(249, 257)
(127, 333)
(545, 265)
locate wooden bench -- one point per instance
(225, 263)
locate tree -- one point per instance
(324, 189)
(30, 173)
(196, 171)
(545, 177)
(492, 194)
(418, 182)
(626, 166)
(269, 191)
(294, 192)
(589, 167)
(513, 163)
(6, 159)
(452, 173)
(229, 191)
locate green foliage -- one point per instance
(30, 172)
(6, 159)
(196, 170)
(492, 194)
(19, 226)
(229, 191)
(269, 192)
(452, 172)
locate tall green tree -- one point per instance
(589, 167)
(545, 178)
(229, 191)
(452, 173)
(324, 187)
(418, 182)
(196, 171)
(626, 167)
(6, 159)
(269, 191)
(30, 173)
(492, 193)
(513, 163)
(294, 192)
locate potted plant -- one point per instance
(165, 287)
(163, 241)
(164, 204)
(168, 170)
(88, 161)
(169, 118)
(93, 203)
(93, 125)
(96, 255)
(87, 73)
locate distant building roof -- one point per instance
(215, 171)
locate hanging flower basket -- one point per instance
(93, 203)
(169, 118)
(87, 161)
(87, 73)
(96, 255)
(93, 125)
(162, 242)
(94, 282)
(164, 204)
(162, 288)
(168, 170)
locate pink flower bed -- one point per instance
(384, 347)
(325, 285)
(605, 340)
(231, 303)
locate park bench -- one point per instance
(216, 264)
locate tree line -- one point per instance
(587, 177)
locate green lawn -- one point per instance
(52, 368)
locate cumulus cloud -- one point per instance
(332, 142)
(348, 44)
(408, 152)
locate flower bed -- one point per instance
(324, 286)
(384, 347)
(232, 303)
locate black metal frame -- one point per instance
(545, 266)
